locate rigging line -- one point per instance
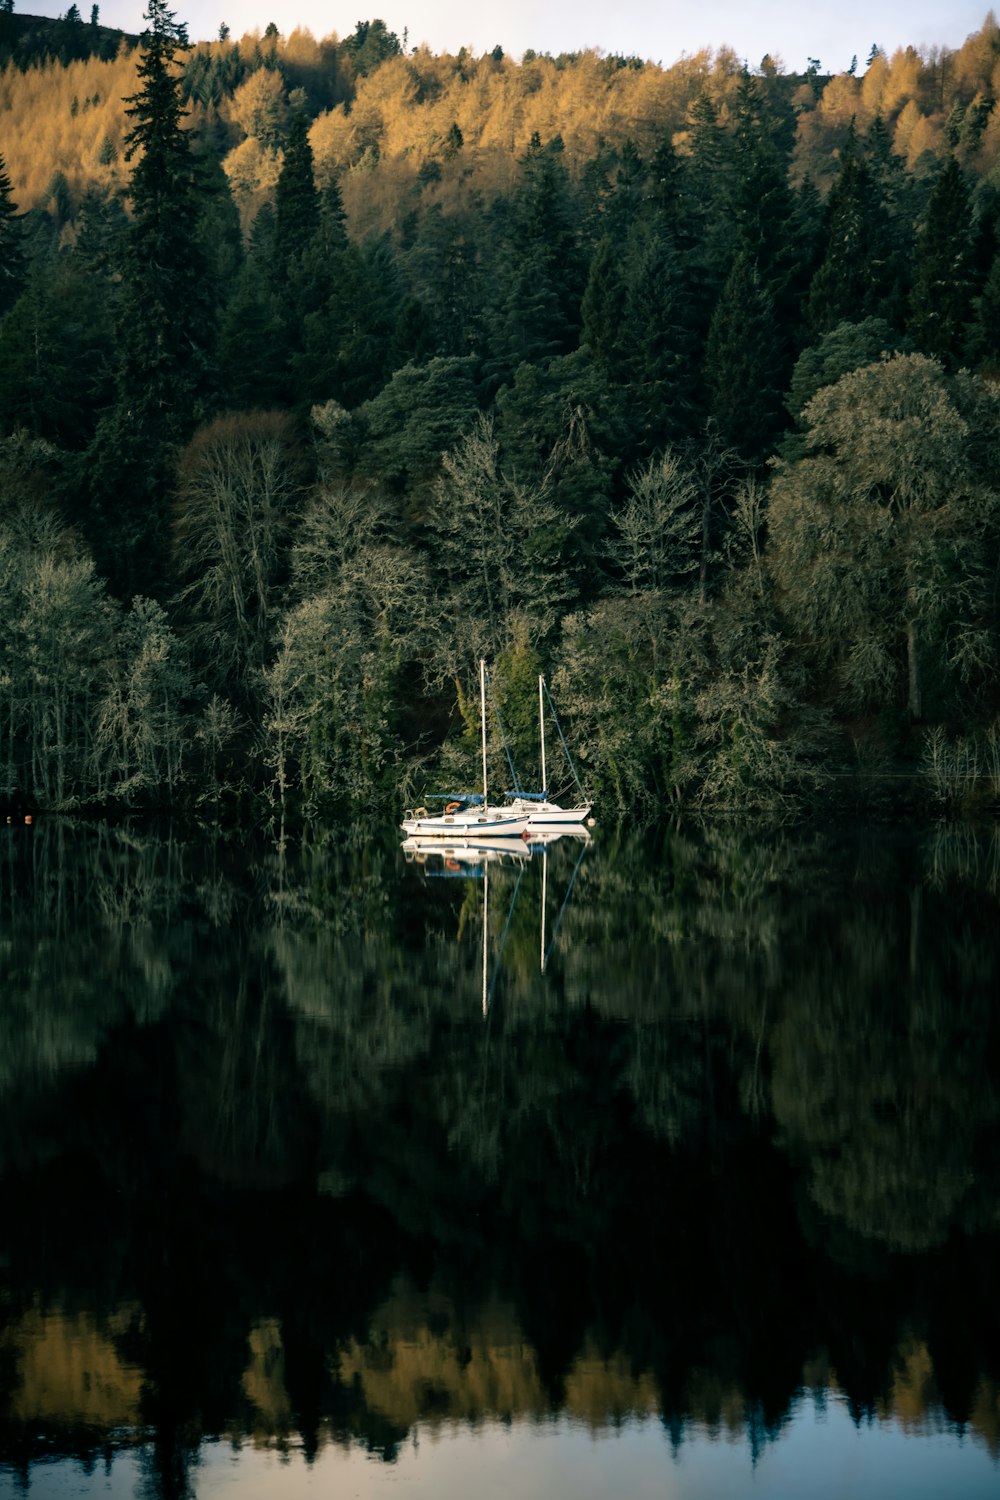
(503, 737)
(503, 939)
(569, 888)
(562, 741)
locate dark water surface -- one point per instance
(667, 1165)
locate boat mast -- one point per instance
(486, 909)
(541, 729)
(482, 715)
(545, 855)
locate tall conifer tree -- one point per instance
(296, 202)
(743, 360)
(856, 276)
(166, 322)
(541, 278)
(941, 304)
(11, 246)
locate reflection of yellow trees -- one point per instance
(914, 1401)
(264, 1381)
(411, 1369)
(428, 1363)
(913, 1398)
(984, 1418)
(69, 1371)
(601, 1390)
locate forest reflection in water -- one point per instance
(723, 1142)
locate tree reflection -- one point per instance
(738, 1140)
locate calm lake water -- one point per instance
(666, 1164)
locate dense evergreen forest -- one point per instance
(328, 367)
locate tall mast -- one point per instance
(541, 726)
(486, 919)
(545, 855)
(482, 715)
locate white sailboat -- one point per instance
(536, 806)
(468, 815)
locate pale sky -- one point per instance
(661, 30)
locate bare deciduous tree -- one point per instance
(239, 484)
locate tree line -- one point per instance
(713, 447)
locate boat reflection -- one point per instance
(473, 859)
(469, 857)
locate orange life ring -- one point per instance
(453, 807)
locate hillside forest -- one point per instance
(329, 367)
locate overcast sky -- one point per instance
(662, 30)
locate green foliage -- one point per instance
(296, 202)
(541, 278)
(59, 627)
(142, 732)
(943, 285)
(855, 277)
(762, 752)
(881, 537)
(238, 492)
(334, 686)
(845, 348)
(498, 554)
(744, 364)
(165, 324)
(539, 382)
(56, 355)
(624, 684)
(559, 425)
(11, 245)
(422, 412)
(349, 303)
(370, 43)
(658, 528)
(603, 308)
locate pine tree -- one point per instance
(744, 364)
(603, 308)
(12, 267)
(703, 229)
(296, 203)
(55, 346)
(252, 337)
(760, 201)
(630, 191)
(901, 198)
(659, 338)
(665, 180)
(540, 280)
(943, 287)
(166, 323)
(855, 277)
(983, 346)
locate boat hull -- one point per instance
(550, 814)
(468, 825)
